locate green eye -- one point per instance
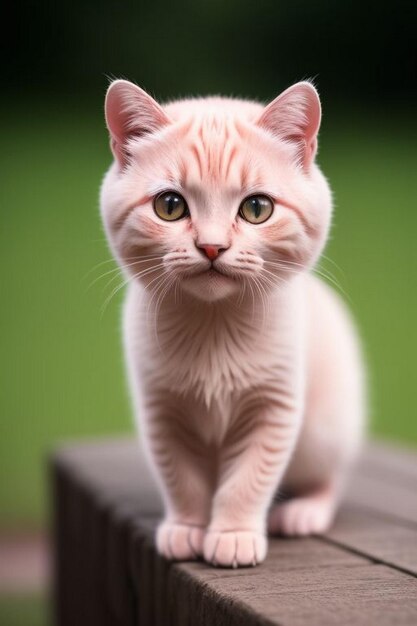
(256, 209)
(170, 206)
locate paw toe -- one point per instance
(234, 548)
(179, 542)
(301, 517)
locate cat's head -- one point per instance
(214, 196)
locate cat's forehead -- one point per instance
(212, 144)
(214, 122)
(213, 150)
(207, 108)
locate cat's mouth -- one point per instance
(211, 284)
(212, 273)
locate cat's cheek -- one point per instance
(273, 232)
(152, 228)
(168, 234)
(287, 242)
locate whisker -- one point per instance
(291, 266)
(176, 293)
(253, 299)
(125, 282)
(93, 269)
(140, 274)
(256, 285)
(276, 282)
(163, 293)
(116, 269)
(242, 294)
(112, 260)
(264, 298)
(158, 290)
(111, 296)
(327, 258)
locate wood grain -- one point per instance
(107, 572)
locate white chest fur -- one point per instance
(212, 352)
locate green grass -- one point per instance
(61, 365)
(23, 610)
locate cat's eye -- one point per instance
(256, 209)
(170, 206)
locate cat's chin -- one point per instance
(210, 286)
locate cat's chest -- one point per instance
(215, 360)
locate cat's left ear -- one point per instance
(295, 117)
(130, 112)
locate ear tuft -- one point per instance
(130, 112)
(294, 116)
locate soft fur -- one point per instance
(245, 370)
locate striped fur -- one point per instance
(248, 379)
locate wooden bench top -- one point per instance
(107, 572)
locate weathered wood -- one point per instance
(377, 538)
(393, 464)
(377, 495)
(106, 507)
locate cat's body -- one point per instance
(244, 367)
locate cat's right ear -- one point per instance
(130, 112)
(295, 117)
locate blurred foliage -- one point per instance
(61, 363)
(24, 610)
(356, 49)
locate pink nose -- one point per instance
(211, 251)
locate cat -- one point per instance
(245, 369)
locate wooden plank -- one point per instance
(374, 494)
(119, 592)
(385, 482)
(377, 538)
(390, 462)
(301, 583)
(116, 470)
(79, 563)
(368, 594)
(119, 465)
(198, 594)
(307, 562)
(108, 512)
(325, 588)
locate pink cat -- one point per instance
(245, 368)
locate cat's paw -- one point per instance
(301, 517)
(241, 548)
(180, 542)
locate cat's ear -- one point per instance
(295, 117)
(130, 112)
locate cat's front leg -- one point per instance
(254, 458)
(186, 479)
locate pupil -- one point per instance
(171, 204)
(256, 206)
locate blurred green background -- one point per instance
(61, 365)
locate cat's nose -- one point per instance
(211, 250)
